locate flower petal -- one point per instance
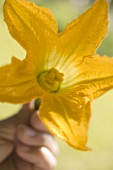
(83, 36)
(67, 117)
(34, 27)
(94, 76)
(17, 83)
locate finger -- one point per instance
(7, 136)
(31, 137)
(36, 123)
(6, 148)
(22, 164)
(7, 132)
(23, 115)
(41, 157)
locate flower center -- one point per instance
(51, 80)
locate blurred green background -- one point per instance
(101, 124)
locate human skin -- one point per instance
(25, 143)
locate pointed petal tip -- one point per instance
(79, 147)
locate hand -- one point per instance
(27, 146)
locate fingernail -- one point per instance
(32, 105)
(47, 154)
(30, 132)
(27, 131)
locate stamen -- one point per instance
(51, 80)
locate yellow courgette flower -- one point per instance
(60, 68)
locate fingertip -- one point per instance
(26, 135)
(24, 130)
(49, 158)
(36, 122)
(32, 105)
(42, 157)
